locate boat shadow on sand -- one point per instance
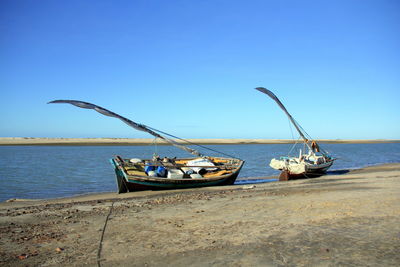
(337, 172)
(262, 180)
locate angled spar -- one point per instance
(137, 126)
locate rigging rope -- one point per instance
(154, 143)
(191, 143)
(294, 145)
(323, 151)
(290, 127)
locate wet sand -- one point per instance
(347, 219)
(14, 141)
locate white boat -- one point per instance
(312, 159)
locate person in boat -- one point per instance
(314, 146)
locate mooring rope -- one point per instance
(102, 235)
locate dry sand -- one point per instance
(4, 141)
(348, 219)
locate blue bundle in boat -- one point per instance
(161, 171)
(148, 168)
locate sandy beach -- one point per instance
(344, 219)
(15, 141)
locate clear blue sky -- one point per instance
(190, 67)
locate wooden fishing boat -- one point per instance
(312, 160)
(155, 174)
(179, 173)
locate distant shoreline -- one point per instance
(31, 141)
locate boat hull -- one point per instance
(307, 170)
(129, 183)
(318, 169)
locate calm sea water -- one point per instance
(39, 172)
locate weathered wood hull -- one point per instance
(128, 183)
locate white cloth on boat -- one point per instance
(201, 162)
(288, 163)
(135, 160)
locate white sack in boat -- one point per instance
(201, 162)
(152, 174)
(175, 174)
